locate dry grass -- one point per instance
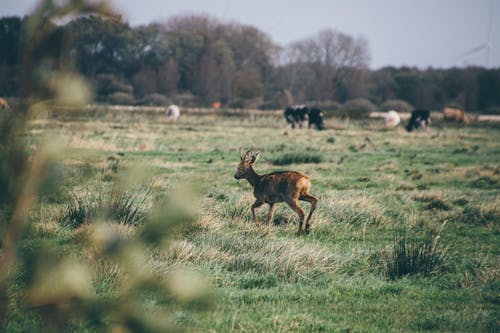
(290, 260)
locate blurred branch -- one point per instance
(28, 175)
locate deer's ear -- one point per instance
(248, 156)
(255, 157)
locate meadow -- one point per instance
(405, 236)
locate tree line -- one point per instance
(196, 60)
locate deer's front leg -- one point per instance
(256, 204)
(272, 207)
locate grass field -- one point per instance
(405, 237)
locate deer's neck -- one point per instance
(252, 177)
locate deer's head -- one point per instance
(246, 163)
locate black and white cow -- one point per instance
(420, 118)
(298, 114)
(316, 118)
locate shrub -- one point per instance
(357, 108)
(121, 98)
(109, 83)
(120, 207)
(413, 256)
(186, 99)
(327, 106)
(290, 158)
(397, 105)
(155, 99)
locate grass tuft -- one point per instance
(121, 207)
(432, 202)
(476, 215)
(409, 256)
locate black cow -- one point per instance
(298, 114)
(419, 118)
(316, 117)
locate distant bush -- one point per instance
(305, 157)
(356, 108)
(155, 99)
(325, 105)
(247, 103)
(396, 104)
(186, 99)
(108, 84)
(121, 98)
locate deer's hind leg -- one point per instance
(272, 208)
(256, 204)
(294, 204)
(313, 200)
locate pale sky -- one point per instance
(419, 33)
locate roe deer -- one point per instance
(271, 188)
(4, 104)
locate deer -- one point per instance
(275, 187)
(4, 104)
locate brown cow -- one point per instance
(454, 114)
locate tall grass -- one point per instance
(118, 206)
(414, 256)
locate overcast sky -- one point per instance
(419, 33)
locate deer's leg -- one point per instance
(272, 207)
(313, 200)
(294, 204)
(256, 204)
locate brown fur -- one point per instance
(452, 114)
(275, 187)
(4, 104)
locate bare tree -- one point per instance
(327, 60)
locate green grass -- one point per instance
(372, 184)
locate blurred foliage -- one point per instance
(60, 285)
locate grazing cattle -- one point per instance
(420, 118)
(4, 104)
(296, 115)
(316, 118)
(173, 112)
(392, 119)
(299, 114)
(454, 114)
(271, 188)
